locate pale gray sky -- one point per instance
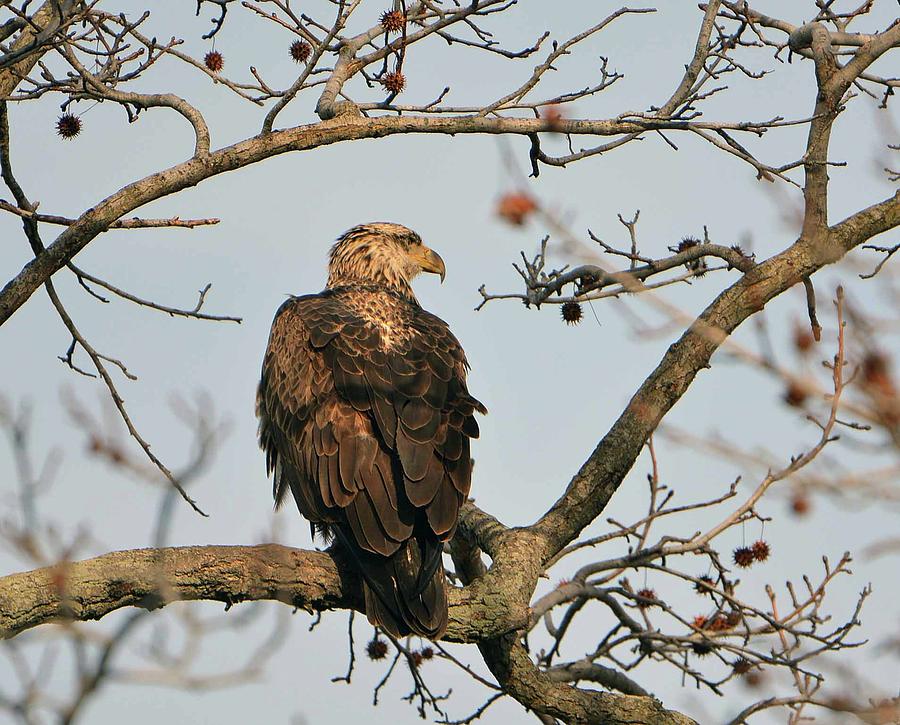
(552, 390)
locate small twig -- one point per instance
(171, 311)
(631, 227)
(346, 678)
(888, 253)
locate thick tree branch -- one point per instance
(152, 578)
(312, 580)
(544, 693)
(602, 473)
(99, 218)
(31, 44)
(512, 666)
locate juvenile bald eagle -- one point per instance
(365, 417)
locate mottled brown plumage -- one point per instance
(365, 417)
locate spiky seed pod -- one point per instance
(68, 126)
(743, 556)
(572, 313)
(800, 504)
(427, 653)
(701, 649)
(214, 60)
(376, 649)
(753, 679)
(741, 666)
(393, 21)
(687, 243)
(875, 367)
(704, 584)
(803, 339)
(877, 379)
(393, 82)
(700, 621)
(516, 207)
(646, 593)
(300, 51)
(795, 395)
(553, 115)
(761, 550)
(415, 659)
(697, 266)
(842, 703)
(879, 384)
(747, 257)
(717, 624)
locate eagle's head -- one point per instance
(381, 253)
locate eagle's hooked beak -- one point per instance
(430, 261)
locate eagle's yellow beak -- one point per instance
(429, 261)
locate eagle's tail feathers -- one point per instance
(397, 600)
(434, 562)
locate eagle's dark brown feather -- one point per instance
(365, 417)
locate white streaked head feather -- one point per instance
(376, 254)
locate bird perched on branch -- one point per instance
(365, 418)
